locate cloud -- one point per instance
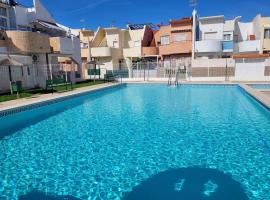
(93, 4)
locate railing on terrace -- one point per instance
(174, 42)
(29, 29)
(33, 75)
(199, 70)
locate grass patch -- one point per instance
(38, 91)
(87, 83)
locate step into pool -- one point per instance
(260, 86)
(139, 141)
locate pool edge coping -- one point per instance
(16, 108)
(257, 95)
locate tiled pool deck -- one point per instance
(44, 98)
(262, 96)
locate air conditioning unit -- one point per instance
(35, 58)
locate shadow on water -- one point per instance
(35, 195)
(193, 183)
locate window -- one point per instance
(227, 37)
(115, 44)
(180, 37)
(3, 12)
(3, 22)
(137, 44)
(84, 45)
(267, 33)
(164, 40)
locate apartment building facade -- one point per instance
(32, 38)
(174, 43)
(114, 48)
(229, 49)
(264, 27)
(220, 38)
(215, 37)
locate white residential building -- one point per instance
(215, 37)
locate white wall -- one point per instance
(135, 35)
(222, 62)
(249, 46)
(112, 36)
(256, 27)
(214, 26)
(66, 45)
(37, 77)
(250, 70)
(22, 18)
(246, 29)
(76, 49)
(25, 16)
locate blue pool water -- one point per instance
(260, 86)
(139, 142)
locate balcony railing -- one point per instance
(101, 51)
(150, 51)
(208, 46)
(176, 48)
(132, 52)
(249, 46)
(61, 45)
(227, 46)
(27, 42)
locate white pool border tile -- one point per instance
(20, 106)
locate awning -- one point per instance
(50, 26)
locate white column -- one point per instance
(194, 15)
(50, 66)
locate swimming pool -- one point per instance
(140, 142)
(260, 86)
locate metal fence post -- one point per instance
(148, 66)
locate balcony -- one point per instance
(150, 51)
(176, 48)
(208, 46)
(62, 45)
(227, 46)
(101, 52)
(27, 42)
(249, 46)
(132, 52)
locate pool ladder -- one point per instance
(176, 82)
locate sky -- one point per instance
(91, 14)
